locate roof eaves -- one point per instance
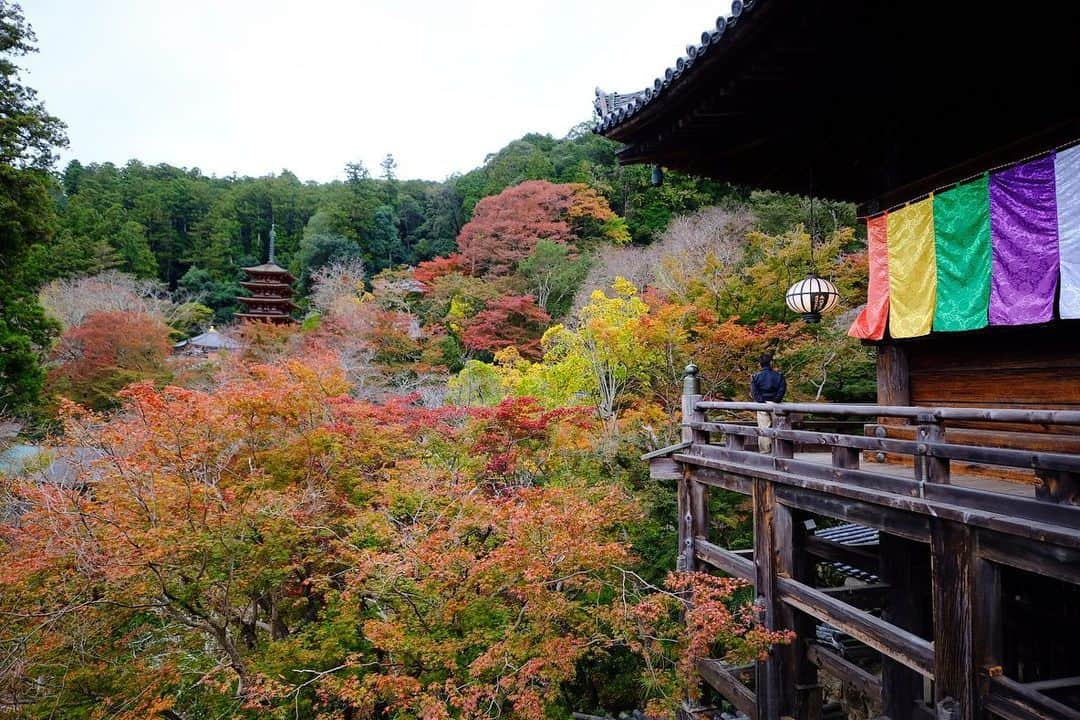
(613, 109)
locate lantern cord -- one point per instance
(813, 226)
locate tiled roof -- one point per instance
(615, 108)
(851, 534)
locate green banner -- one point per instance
(962, 246)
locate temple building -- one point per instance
(207, 343)
(953, 518)
(271, 291)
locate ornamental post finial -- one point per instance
(691, 383)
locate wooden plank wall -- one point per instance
(1028, 367)
(1033, 367)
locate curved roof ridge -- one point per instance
(615, 108)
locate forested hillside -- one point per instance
(195, 232)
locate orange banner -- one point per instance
(870, 325)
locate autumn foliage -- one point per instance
(107, 351)
(508, 321)
(280, 543)
(430, 270)
(506, 227)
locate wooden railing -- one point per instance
(971, 528)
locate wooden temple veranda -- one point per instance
(930, 559)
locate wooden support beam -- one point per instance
(1058, 684)
(952, 575)
(724, 680)
(685, 560)
(704, 473)
(664, 469)
(699, 508)
(782, 447)
(1019, 699)
(987, 623)
(902, 569)
(908, 525)
(690, 498)
(730, 562)
(769, 683)
(845, 457)
(893, 378)
(1031, 556)
(1053, 523)
(845, 670)
(903, 646)
(800, 674)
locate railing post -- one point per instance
(690, 413)
(692, 500)
(927, 467)
(782, 448)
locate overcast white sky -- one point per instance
(252, 86)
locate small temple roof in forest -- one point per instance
(209, 340)
(871, 102)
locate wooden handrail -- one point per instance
(969, 453)
(1051, 522)
(1011, 691)
(1005, 415)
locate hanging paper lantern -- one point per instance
(811, 297)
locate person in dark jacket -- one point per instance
(767, 386)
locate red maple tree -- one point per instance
(109, 350)
(430, 270)
(506, 227)
(508, 321)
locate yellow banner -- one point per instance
(912, 270)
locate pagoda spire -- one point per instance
(273, 239)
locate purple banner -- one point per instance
(1023, 228)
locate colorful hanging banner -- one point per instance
(874, 318)
(912, 271)
(1067, 171)
(1023, 227)
(996, 250)
(963, 256)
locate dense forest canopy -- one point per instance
(423, 499)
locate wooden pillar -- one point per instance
(802, 693)
(901, 569)
(893, 379)
(778, 675)
(692, 497)
(987, 624)
(967, 618)
(952, 570)
(769, 681)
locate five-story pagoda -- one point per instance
(271, 291)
